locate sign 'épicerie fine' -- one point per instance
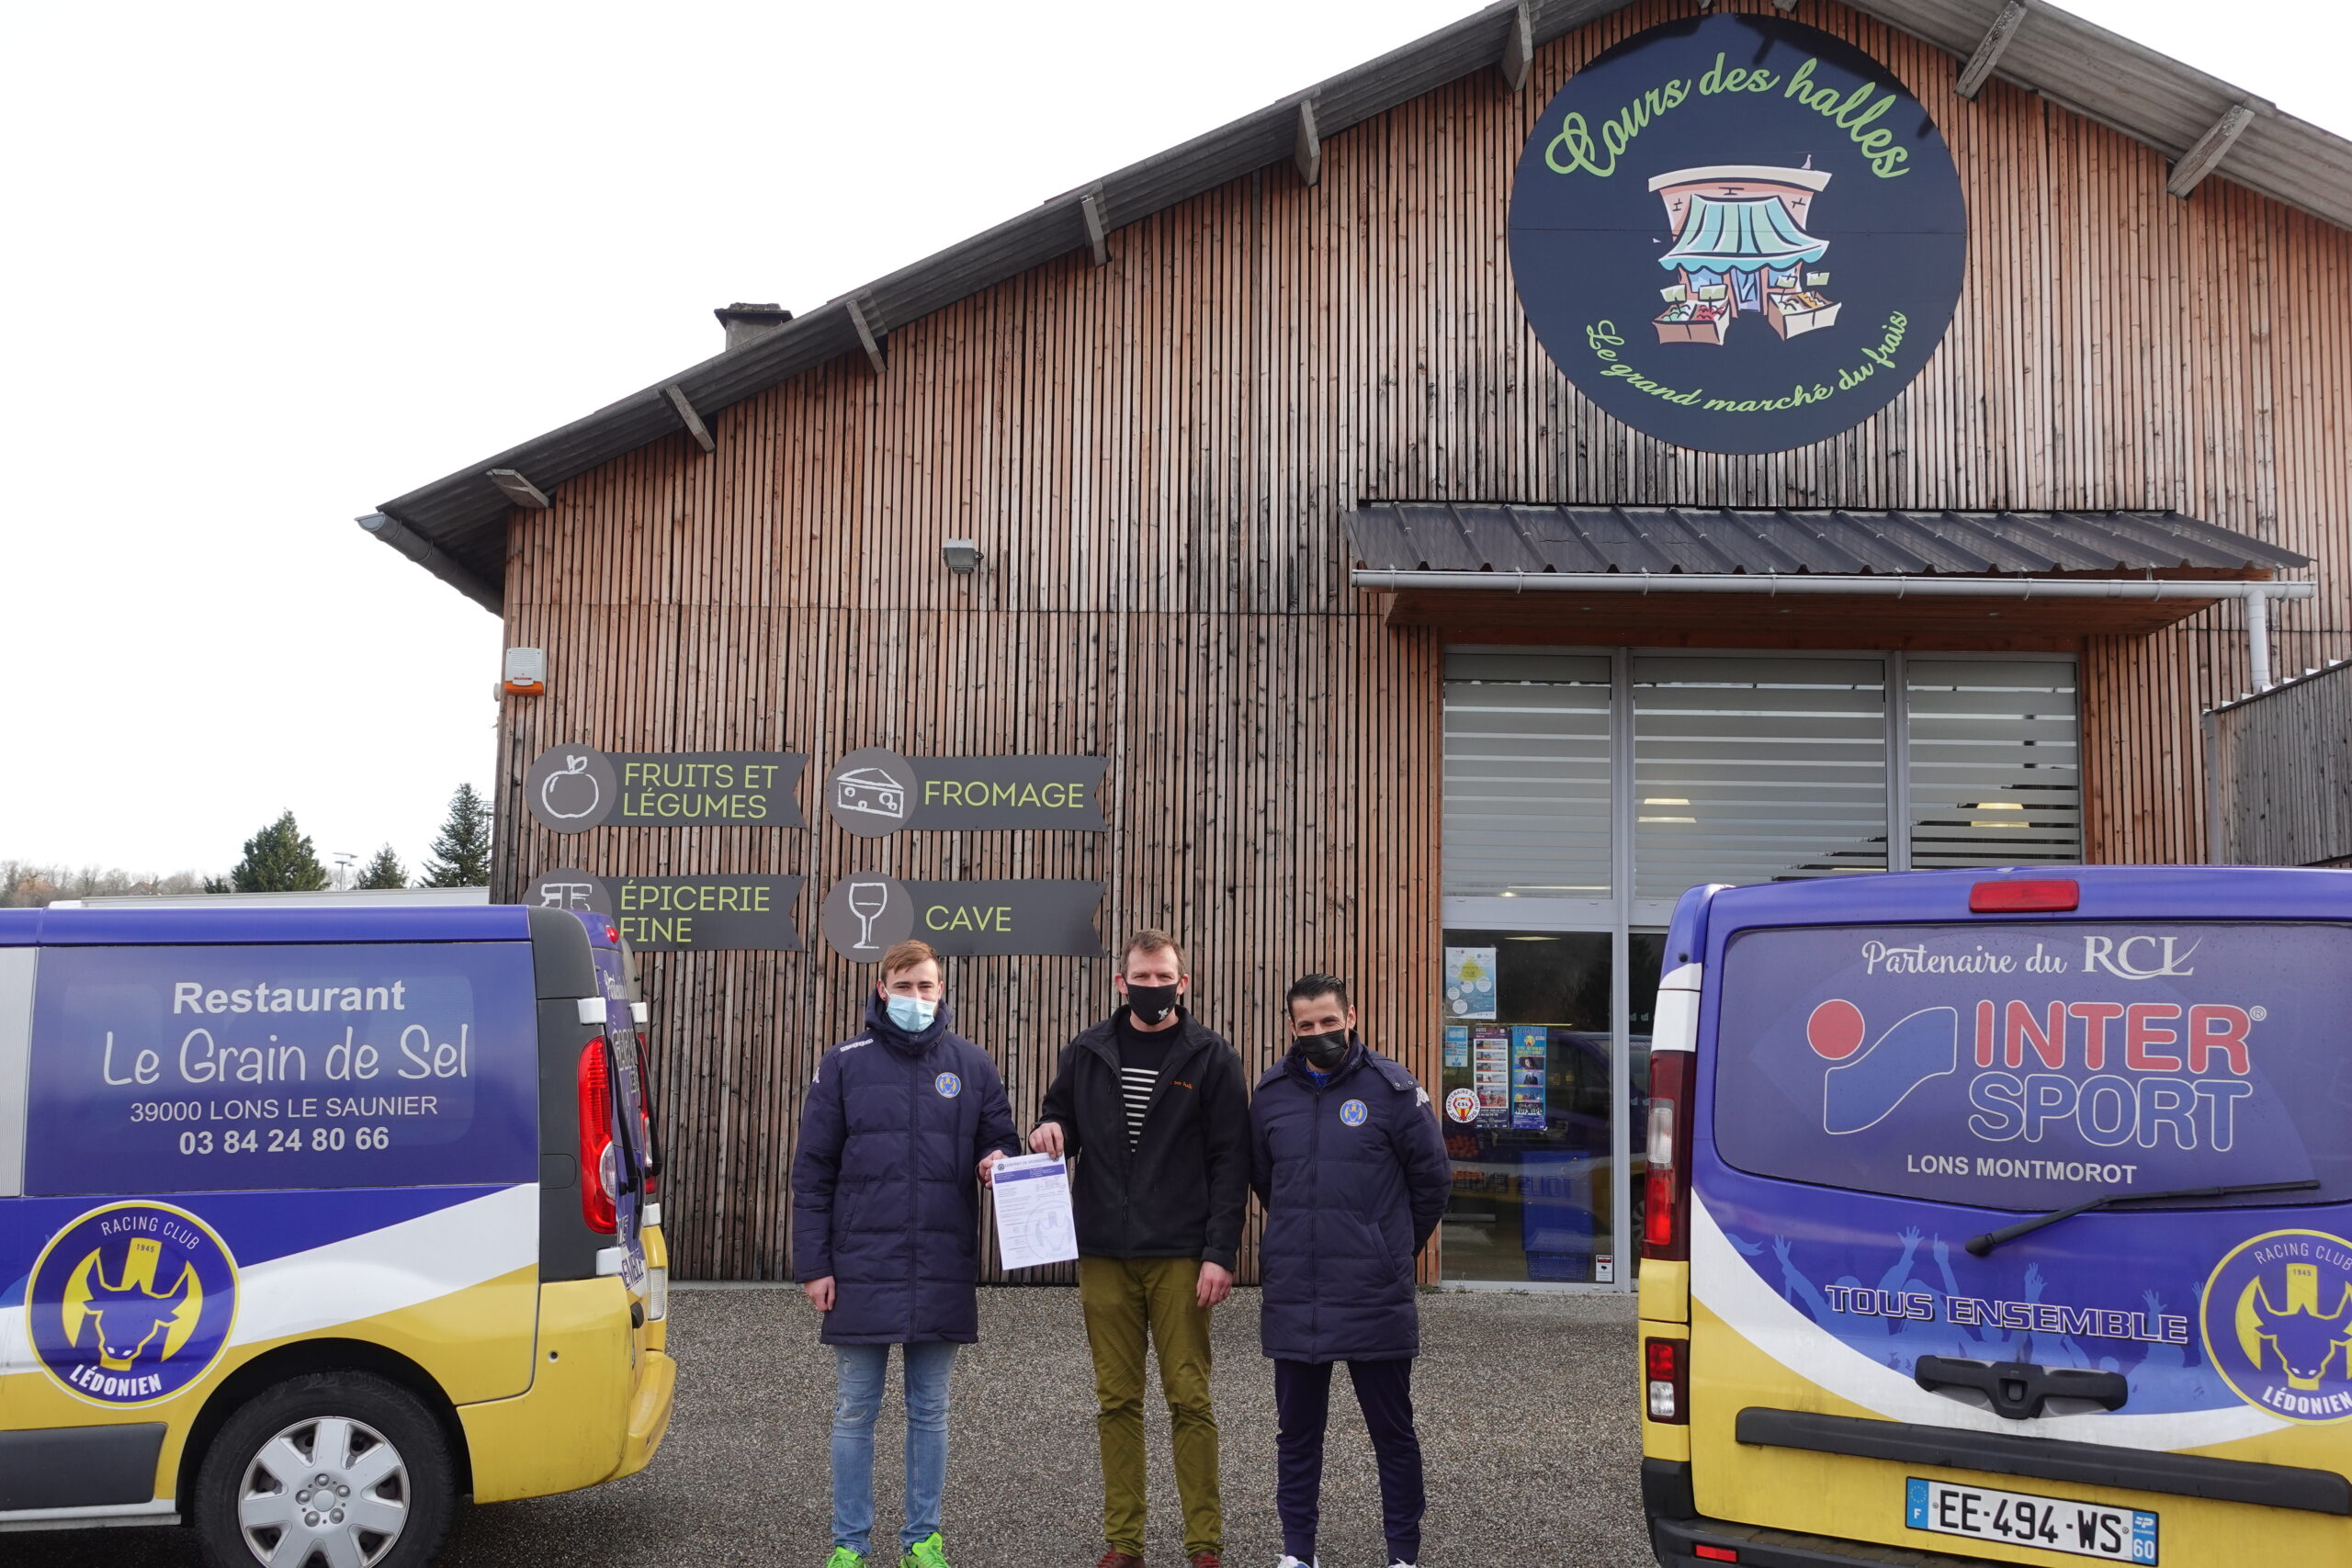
(682, 913)
(574, 788)
(1738, 234)
(875, 792)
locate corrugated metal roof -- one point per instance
(2140, 92)
(1428, 536)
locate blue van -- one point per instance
(2002, 1216)
(313, 1221)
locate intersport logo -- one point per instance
(2094, 1075)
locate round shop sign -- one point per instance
(570, 788)
(871, 792)
(2277, 1317)
(1463, 1105)
(1738, 234)
(131, 1303)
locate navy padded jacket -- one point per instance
(1353, 1175)
(885, 1192)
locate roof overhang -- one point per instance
(2204, 125)
(1674, 576)
(1699, 610)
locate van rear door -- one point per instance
(17, 964)
(1881, 1096)
(633, 1159)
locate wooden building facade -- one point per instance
(1158, 438)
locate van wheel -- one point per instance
(330, 1470)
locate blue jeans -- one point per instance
(861, 1368)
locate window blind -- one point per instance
(1527, 775)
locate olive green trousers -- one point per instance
(1126, 1300)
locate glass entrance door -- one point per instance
(1585, 789)
(1529, 1103)
(1529, 1094)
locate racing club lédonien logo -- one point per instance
(131, 1303)
(2278, 1321)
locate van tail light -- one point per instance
(1716, 1553)
(1666, 1369)
(599, 1160)
(1666, 1191)
(652, 1140)
(2024, 897)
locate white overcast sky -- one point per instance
(269, 266)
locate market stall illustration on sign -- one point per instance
(1738, 234)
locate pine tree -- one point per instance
(460, 857)
(384, 871)
(278, 859)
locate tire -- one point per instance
(389, 1489)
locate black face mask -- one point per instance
(1323, 1052)
(1152, 1003)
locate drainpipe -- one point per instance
(2257, 639)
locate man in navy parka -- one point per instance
(902, 1128)
(1353, 1171)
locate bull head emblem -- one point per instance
(124, 1318)
(2301, 1339)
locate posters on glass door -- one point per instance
(1490, 1074)
(1470, 982)
(1530, 1055)
(1457, 1045)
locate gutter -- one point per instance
(2256, 596)
(435, 559)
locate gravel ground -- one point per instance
(1525, 1404)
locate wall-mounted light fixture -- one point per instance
(526, 673)
(961, 555)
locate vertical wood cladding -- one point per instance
(1155, 455)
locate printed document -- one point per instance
(1033, 1224)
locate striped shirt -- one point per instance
(1141, 1057)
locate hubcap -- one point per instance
(329, 1490)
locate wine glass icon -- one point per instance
(867, 901)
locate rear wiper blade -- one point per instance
(1978, 1246)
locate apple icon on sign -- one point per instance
(571, 792)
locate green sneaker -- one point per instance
(844, 1557)
(929, 1553)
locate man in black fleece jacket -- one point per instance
(1152, 1108)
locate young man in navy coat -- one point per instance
(903, 1126)
(1352, 1169)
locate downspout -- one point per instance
(2257, 638)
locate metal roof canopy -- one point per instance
(1649, 571)
(1412, 537)
(2202, 123)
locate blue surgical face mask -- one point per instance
(913, 1013)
